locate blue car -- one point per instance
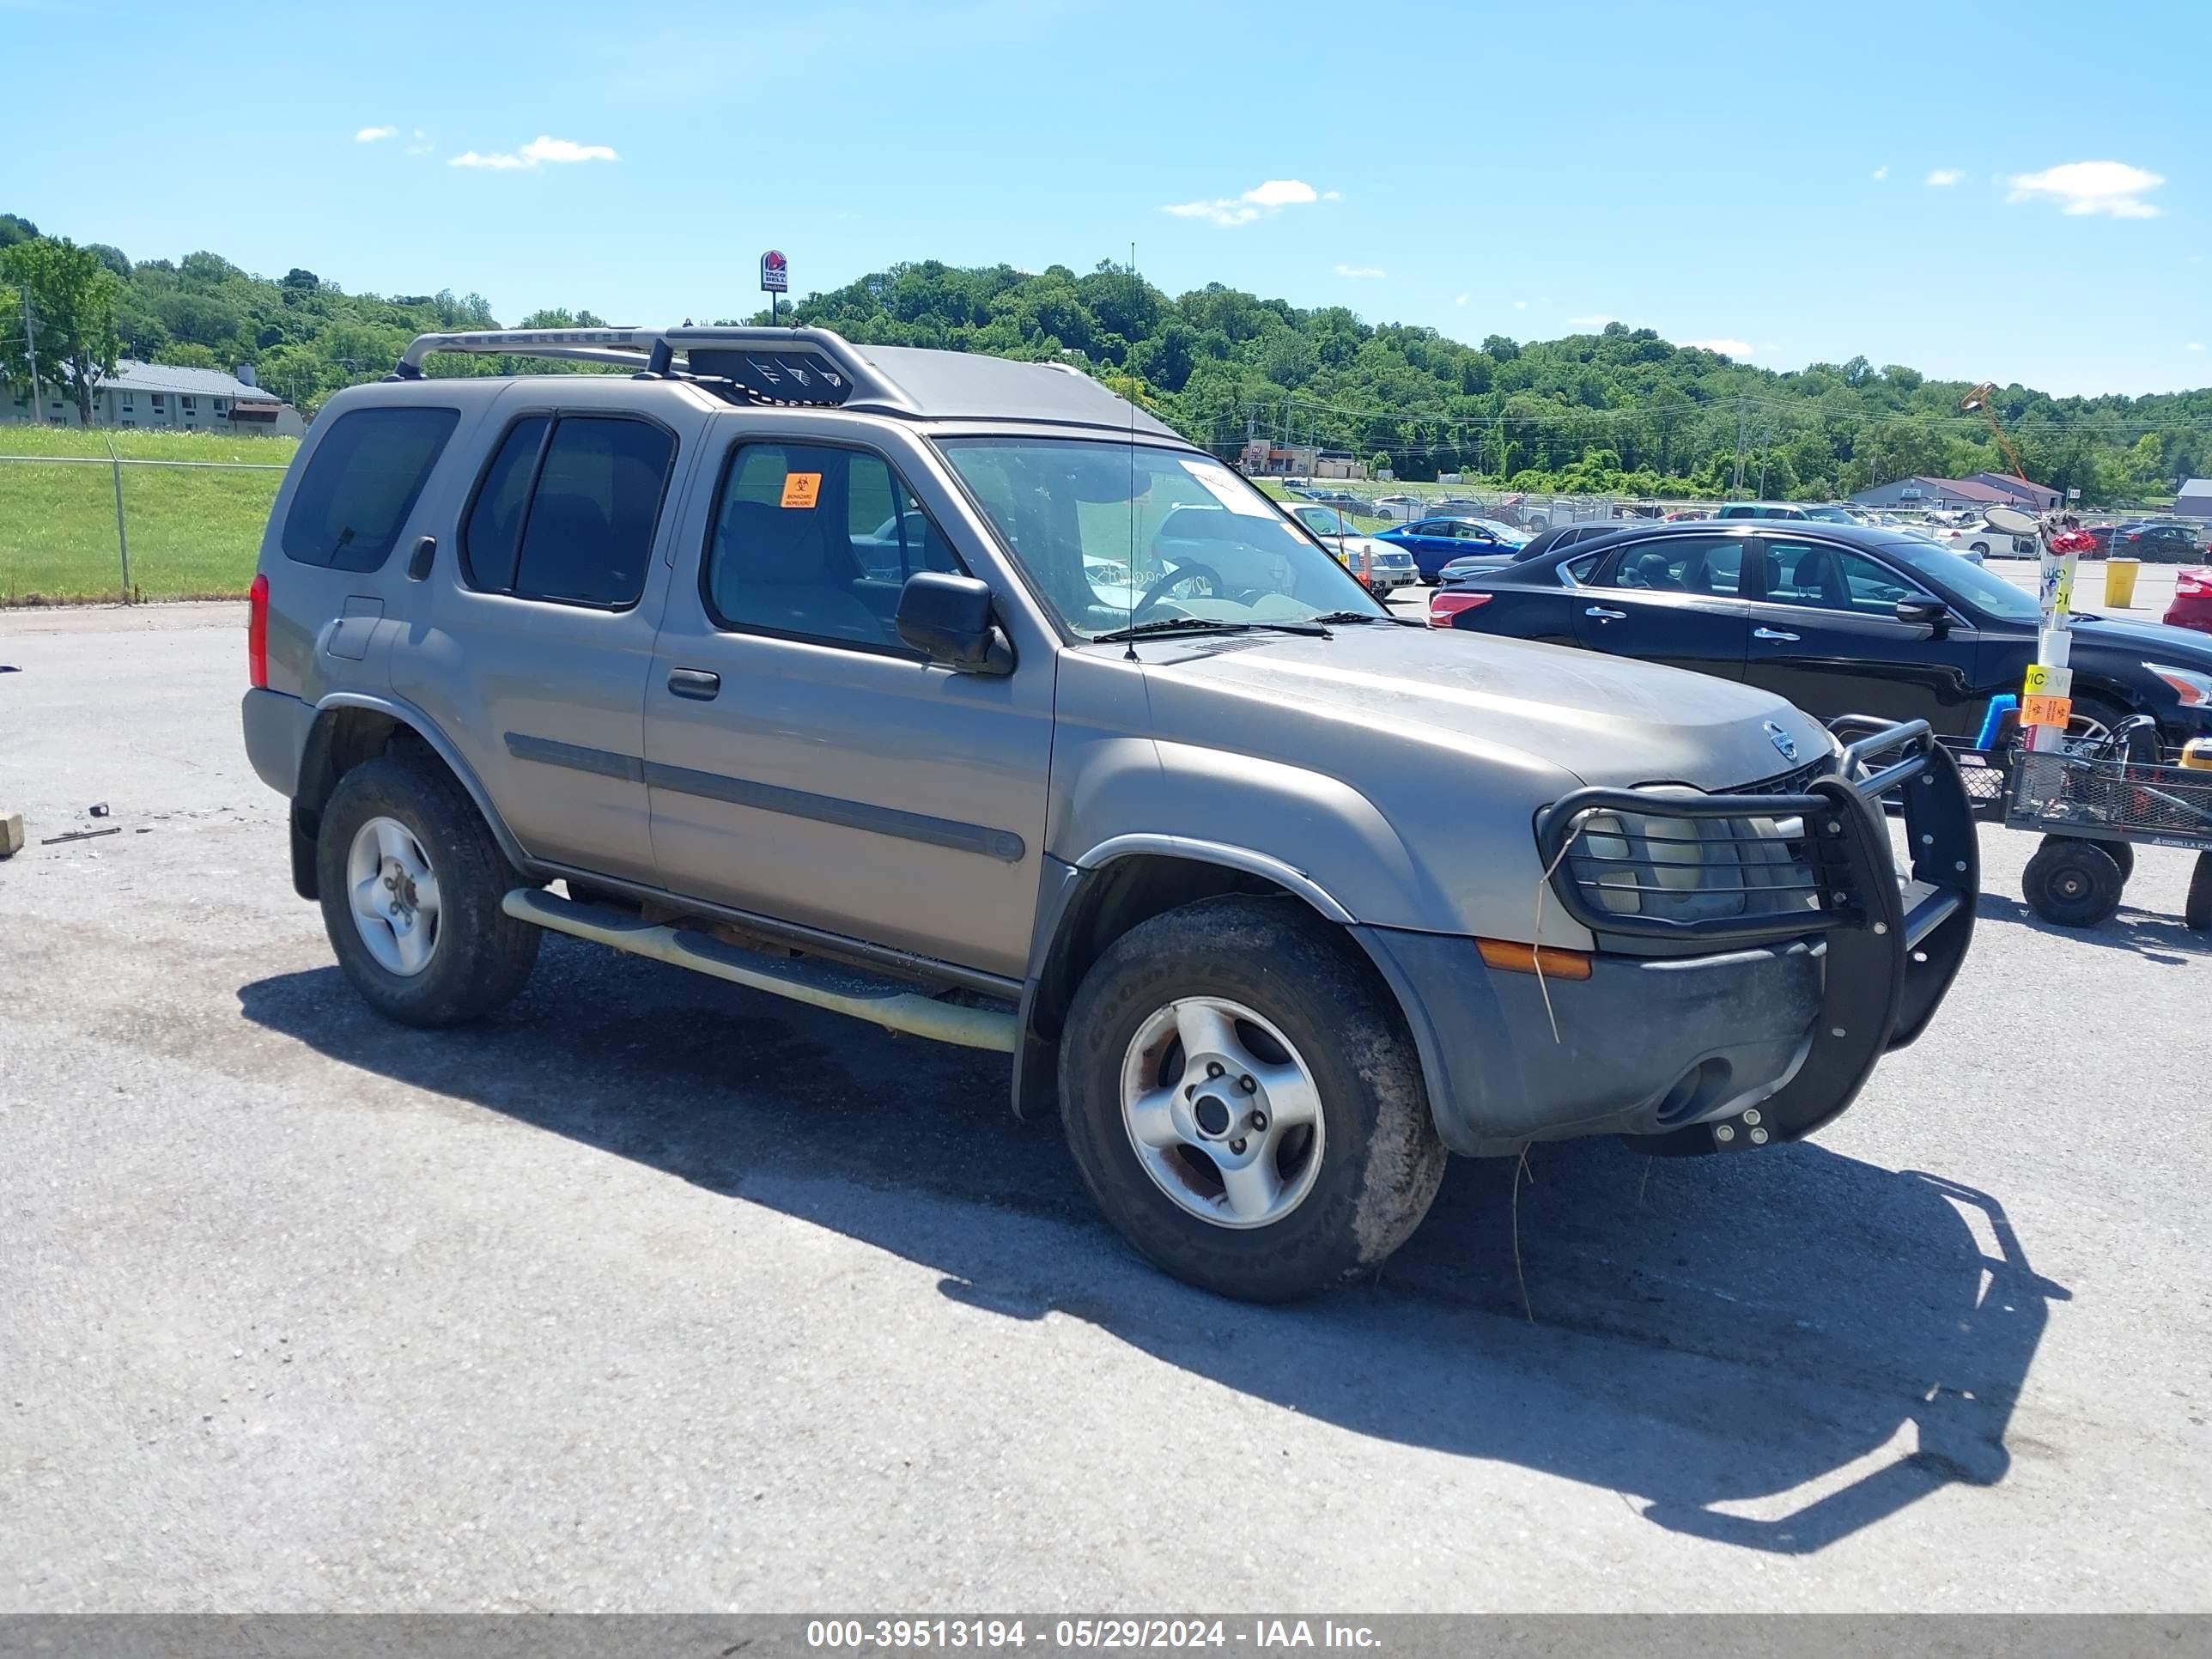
(1434, 543)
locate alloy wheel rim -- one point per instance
(1221, 1112)
(393, 895)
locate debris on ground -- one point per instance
(11, 834)
(81, 834)
(98, 809)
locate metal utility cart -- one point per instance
(2094, 806)
(2094, 799)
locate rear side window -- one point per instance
(360, 485)
(567, 509)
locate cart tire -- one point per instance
(2118, 851)
(2073, 884)
(2198, 912)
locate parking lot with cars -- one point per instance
(657, 1292)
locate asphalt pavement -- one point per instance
(652, 1293)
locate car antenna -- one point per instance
(1129, 565)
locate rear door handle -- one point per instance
(1604, 615)
(1772, 634)
(697, 683)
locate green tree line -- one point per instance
(1620, 411)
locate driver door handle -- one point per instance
(697, 683)
(1772, 634)
(1604, 615)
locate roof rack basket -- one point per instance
(799, 365)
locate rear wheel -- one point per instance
(2073, 884)
(411, 883)
(1244, 1103)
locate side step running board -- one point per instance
(888, 1003)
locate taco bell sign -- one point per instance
(776, 275)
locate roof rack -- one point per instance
(816, 368)
(801, 366)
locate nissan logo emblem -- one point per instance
(1781, 740)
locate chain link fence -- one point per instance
(78, 528)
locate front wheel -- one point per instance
(2073, 884)
(2198, 912)
(1243, 1103)
(2118, 851)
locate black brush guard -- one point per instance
(1892, 946)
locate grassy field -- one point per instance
(193, 529)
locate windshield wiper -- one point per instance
(1164, 625)
(1334, 617)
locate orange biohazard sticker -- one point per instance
(2045, 711)
(801, 488)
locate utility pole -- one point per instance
(1738, 486)
(31, 348)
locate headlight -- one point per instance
(1690, 869)
(2192, 686)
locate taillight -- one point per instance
(1442, 607)
(256, 633)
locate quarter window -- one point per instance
(566, 511)
(360, 485)
(815, 543)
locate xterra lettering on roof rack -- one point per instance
(814, 368)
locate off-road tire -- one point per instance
(1382, 1160)
(484, 955)
(2198, 912)
(2073, 884)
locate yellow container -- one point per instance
(2120, 582)
(2196, 754)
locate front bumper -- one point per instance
(1719, 1034)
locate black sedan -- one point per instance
(1838, 619)
(1564, 535)
(2154, 544)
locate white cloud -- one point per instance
(1945, 176)
(1257, 202)
(1596, 320)
(539, 150)
(1332, 196)
(1881, 172)
(2107, 187)
(2194, 345)
(1360, 270)
(1520, 305)
(1460, 299)
(1725, 348)
(371, 135)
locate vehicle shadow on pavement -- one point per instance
(2166, 940)
(1770, 1350)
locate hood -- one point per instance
(1600, 720)
(2183, 648)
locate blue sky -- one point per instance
(2021, 192)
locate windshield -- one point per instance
(1113, 534)
(1324, 521)
(1965, 579)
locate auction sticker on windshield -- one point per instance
(1224, 490)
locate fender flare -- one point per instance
(1036, 1056)
(406, 713)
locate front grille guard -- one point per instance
(1893, 944)
(1816, 883)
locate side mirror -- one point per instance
(948, 619)
(1927, 613)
